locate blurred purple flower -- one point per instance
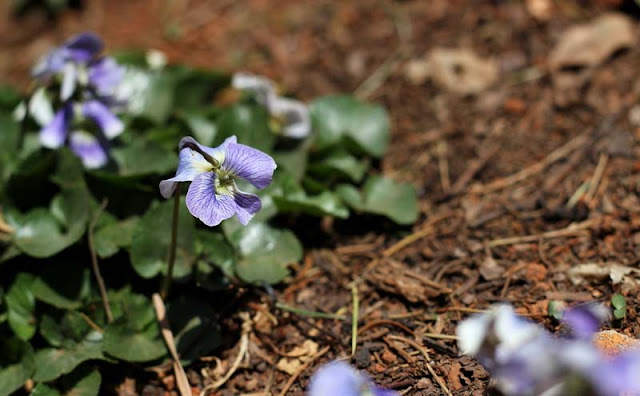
(213, 195)
(81, 69)
(292, 114)
(524, 359)
(340, 379)
(584, 320)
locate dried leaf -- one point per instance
(461, 71)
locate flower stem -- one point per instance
(174, 245)
(94, 264)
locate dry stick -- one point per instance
(94, 263)
(301, 369)
(165, 329)
(443, 166)
(409, 239)
(440, 336)
(525, 173)
(354, 318)
(597, 176)
(244, 346)
(424, 353)
(384, 322)
(572, 230)
(464, 179)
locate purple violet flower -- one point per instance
(293, 114)
(340, 379)
(88, 82)
(213, 195)
(524, 359)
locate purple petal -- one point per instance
(88, 148)
(110, 125)
(250, 164)
(69, 77)
(84, 46)
(190, 165)
(54, 134)
(340, 379)
(295, 114)
(204, 204)
(215, 153)
(585, 320)
(50, 64)
(105, 74)
(247, 206)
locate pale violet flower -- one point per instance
(340, 379)
(524, 359)
(293, 114)
(87, 83)
(213, 195)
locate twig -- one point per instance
(572, 230)
(301, 369)
(424, 353)
(443, 166)
(597, 176)
(409, 239)
(440, 336)
(464, 179)
(354, 318)
(311, 314)
(558, 154)
(94, 263)
(384, 322)
(244, 346)
(165, 329)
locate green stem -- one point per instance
(174, 245)
(311, 314)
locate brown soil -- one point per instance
(459, 152)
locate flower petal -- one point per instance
(335, 379)
(216, 153)
(190, 165)
(84, 46)
(250, 164)
(69, 77)
(88, 148)
(261, 87)
(204, 204)
(295, 114)
(54, 133)
(584, 320)
(105, 74)
(40, 107)
(247, 206)
(110, 125)
(50, 64)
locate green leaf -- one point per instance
(214, 249)
(290, 197)
(20, 306)
(9, 97)
(250, 123)
(620, 305)
(265, 252)
(196, 87)
(342, 118)
(340, 164)
(555, 309)
(62, 285)
(51, 363)
(81, 382)
(134, 336)
(16, 364)
(294, 162)
(115, 236)
(8, 148)
(152, 239)
(143, 157)
(385, 197)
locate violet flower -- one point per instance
(524, 359)
(292, 114)
(87, 83)
(213, 195)
(340, 379)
